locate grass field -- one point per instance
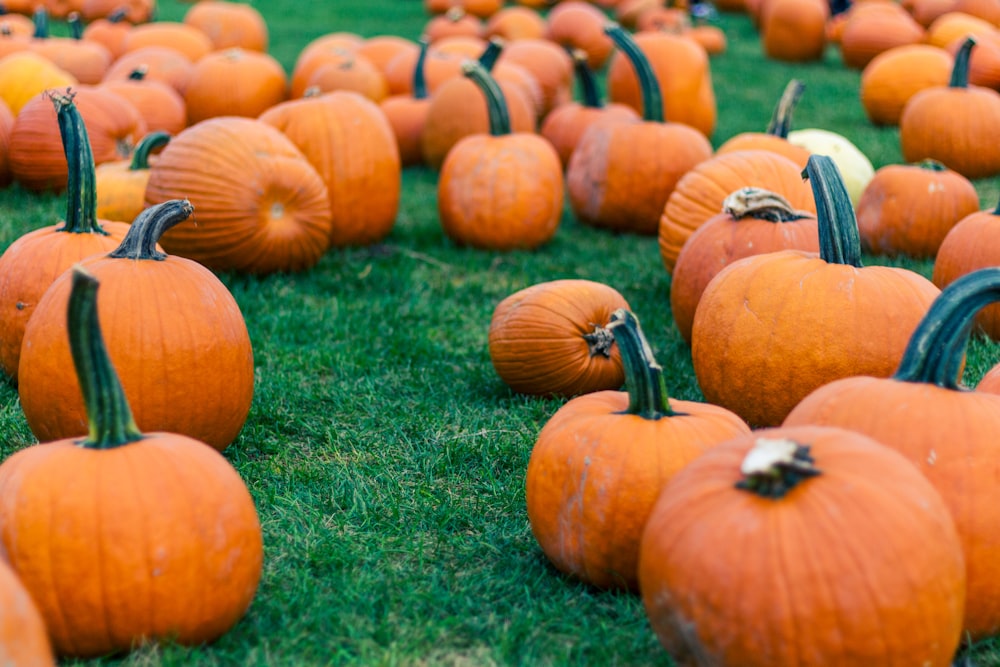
(386, 457)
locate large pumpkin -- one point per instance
(762, 552)
(123, 537)
(175, 332)
(600, 463)
(771, 328)
(916, 412)
(262, 207)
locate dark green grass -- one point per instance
(387, 459)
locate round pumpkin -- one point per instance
(234, 82)
(894, 76)
(121, 186)
(229, 24)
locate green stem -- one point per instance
(41, 19)
(960, 70)
(81, 193)
(781, 120)
(931, 164)
(118, 15)
(139, 73)
(839, 240)
(419, 76)
(146, 145)
(647, 389)
(488, 58)
(588, 83)
(496, 105)
(937, 347)
(146, 230)
(109, 417)
(652, 97)
(773, 467)
(75, 25)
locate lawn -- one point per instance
(386, 457)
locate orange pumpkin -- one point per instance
(552, 338)
(160, 105)
(548, 63)
(23, 75)
(157, 63)
(515, 22)
(990, 382)
(30, 264)
(109, 31)
(407, 114)
(188, 40)
(891, 78)
(794, 30)
(234, 82)
(787, 512)
(144, 558)
(24, 640)
(229, 25)
(914, 412)
(576, 24)
(6, 125)
(350, 71)
(771, 328)
(262, 207)
(867, 34)
(600, 462)
(453, 23)
(121, 186)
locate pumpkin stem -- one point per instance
(781, 120)
(419, 76)
(773, 467)
(652, 96)
(109, 416)
(588, 84)
(81, 194)
(75, 25)
(647, 389)
(496, 104)
(930, 164)
(146, 145)
(937, 347)
(139, 73)
(41, 20)
(488, 58)
(839, 239)
(760, 204)
(960, 70)
(149, 226)
(118, 15)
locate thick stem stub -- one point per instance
(773, 467)
(647, 389)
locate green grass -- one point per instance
(387, 459)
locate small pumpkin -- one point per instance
(600, 463)
(576, 24)
(407, 113)
(188, 40)
(551, 338)
(794, 30)
(788, 512)
(869, 34)
(143, 559)
(158, 103)
(891, 78)
(121, 186)
(515, 22)
(158, 63)
(234, 82)
(229, 25)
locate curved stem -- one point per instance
(488, 58)
(496, 104)
(652, 97)
(109, 417)
(960, 70)
(839, 239)
(419, 76)
(760, 204)
(773, 467)
(647, 389)
(146, 145)
(148, 227)
(937, 347)
(81, 193)
(588, 83)
(41, 20)
(781, 120)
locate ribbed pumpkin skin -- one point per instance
(176, 336)
(161, 63)
(971, 244)
(172, 551)
(918, 420)
(699, 194)
(234, 82)
(229, 24)
(6, 125)
(732, 578)
(37, 159)
(892, 77)
(259, 204)
(351, 145)
(794, 30)
(536, 338)
(772, 328)
(24, 641)
(595, 474)
(990, 382)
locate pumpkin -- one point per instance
(348, 141)
(121, 186)
(24, 75)
(576, 24)
(188, 40)
(948, 123)
(621, 173)
(909, 209)
(85, 60)
(775, 138)
(159, 104)
(794, 30)
(771, 328)
(551, 338)
(699, 195)
(157, 63)
(892, 77)
(113, 565)
(30, 264)
(109, 31)
(234, 82)
(969, 246)
(24, 641)
(566, 124)
(229, 25)
(135, 11)
(753, 221)
(984, 61)
(914, 412)
(951, 26)
(407, 114)
(548, 63)
(990, 382)
(526, 211)
(855, 168)
(262, 207)
(600, 463)
(455, 22)
(352, 71)
(868, 34)
(439, 66)
(190, 373)
(381, 49)
(788, 513)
